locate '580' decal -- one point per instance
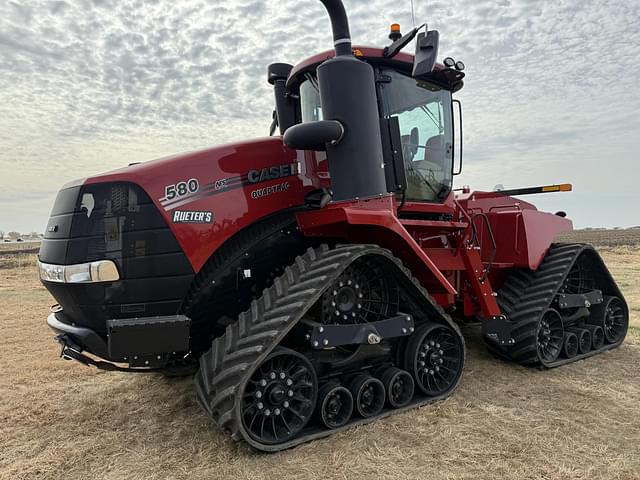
(180, 189)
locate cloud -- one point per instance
(88, 85)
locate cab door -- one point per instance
(424, 114)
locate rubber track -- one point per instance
(234, 356)
(526, 295)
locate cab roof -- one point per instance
(374, 55)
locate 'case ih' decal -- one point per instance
(252, 177)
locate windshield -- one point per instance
(424, 114)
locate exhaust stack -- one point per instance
(348, 97)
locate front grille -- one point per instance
(116, 221)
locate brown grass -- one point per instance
(17, 247)
(62, 420)
(604, 238)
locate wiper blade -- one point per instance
(424, 179)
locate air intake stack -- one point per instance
(348, 98)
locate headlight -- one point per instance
(100, 271)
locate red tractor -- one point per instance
(316, 279)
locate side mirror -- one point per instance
(314, 135)
(286, 112)
(426, 53)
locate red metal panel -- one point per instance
(224, 189)
(523, 234)
(539, 230)
(445, 258)
(349, 218)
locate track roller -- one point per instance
(584, 338)
(335, 405)
(368, 394)
(597, 336)
(613, 316)
(434, 356)
(399, 386)
(570, 346)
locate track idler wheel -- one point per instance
(280, 397)
(570, 346)
(335, 405)
(612, 316)
(550, 336)
(584, 339)
(399, 386)
(597, 336)
(368, 395)
(435, 357)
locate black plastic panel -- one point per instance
(116, 221)
(142, 336)
(65, 201)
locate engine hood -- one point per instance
(205, 196)
(222, 157)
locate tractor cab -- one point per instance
(416, 114)
(424, 114)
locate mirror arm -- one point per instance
(393, 49)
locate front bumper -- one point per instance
(146, 342)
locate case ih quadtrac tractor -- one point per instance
(316, 278)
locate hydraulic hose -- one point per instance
(339, 26)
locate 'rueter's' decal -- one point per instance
(192, 216)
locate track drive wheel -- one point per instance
(613, 317)
(279, 399)
(435, 358)
(364, 292)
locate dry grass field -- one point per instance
(63, 420)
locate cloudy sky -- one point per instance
(552, 91)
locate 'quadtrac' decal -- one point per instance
(252, 177)
(266, 191)
(192, 216)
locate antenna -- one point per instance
(413, 18)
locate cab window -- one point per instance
(310, 99)
(424, 114)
